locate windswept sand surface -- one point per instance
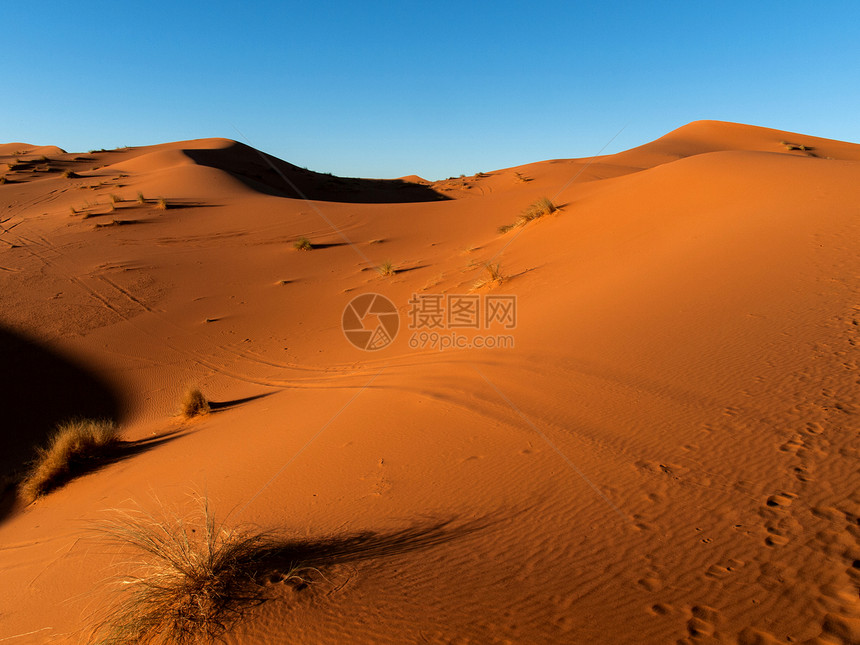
(669, 454)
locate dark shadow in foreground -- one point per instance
(40, 388)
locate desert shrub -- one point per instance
(194, 404)
(493, 276)
(386, 269)
(76, 446)
(194, 577)
(303, 244)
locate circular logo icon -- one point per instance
(370, 321)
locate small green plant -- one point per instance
(303, 244)
(194, 404)
(114, 199)
(141, 199)
(386, 269)
(75, 446)
(493, 276)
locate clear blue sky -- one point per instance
(384, 89)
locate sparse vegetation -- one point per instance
(68, 173)
(303, 244)
(114, 199)
(795, 146)
(75, 446)
(196, 578)
(543, 206)
(162, 204)
(521, 177)
(386, 269)
(194, 404)
(141, 199)
(494, 276)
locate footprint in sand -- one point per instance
(702, 622)
(781, 500)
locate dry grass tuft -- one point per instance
(141, 199)
(162, 204)
(68, 173)
(303, 244)
(195, 580)
(493, 278)
(194, 404)
(543, 206)
(386, 269)
(76, 446)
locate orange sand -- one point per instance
(669, 453)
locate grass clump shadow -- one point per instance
(194, 578)
(194, 404)
(75, 447)
(303, 244)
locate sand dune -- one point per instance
(667, 454)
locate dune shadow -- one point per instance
(40, 388)
(272, 176)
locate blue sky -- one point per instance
(385, 89)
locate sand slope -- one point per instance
(668, 454)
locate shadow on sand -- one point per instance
(248, 567)
(273, 176)
(39, 388)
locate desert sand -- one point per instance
(668, 453)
